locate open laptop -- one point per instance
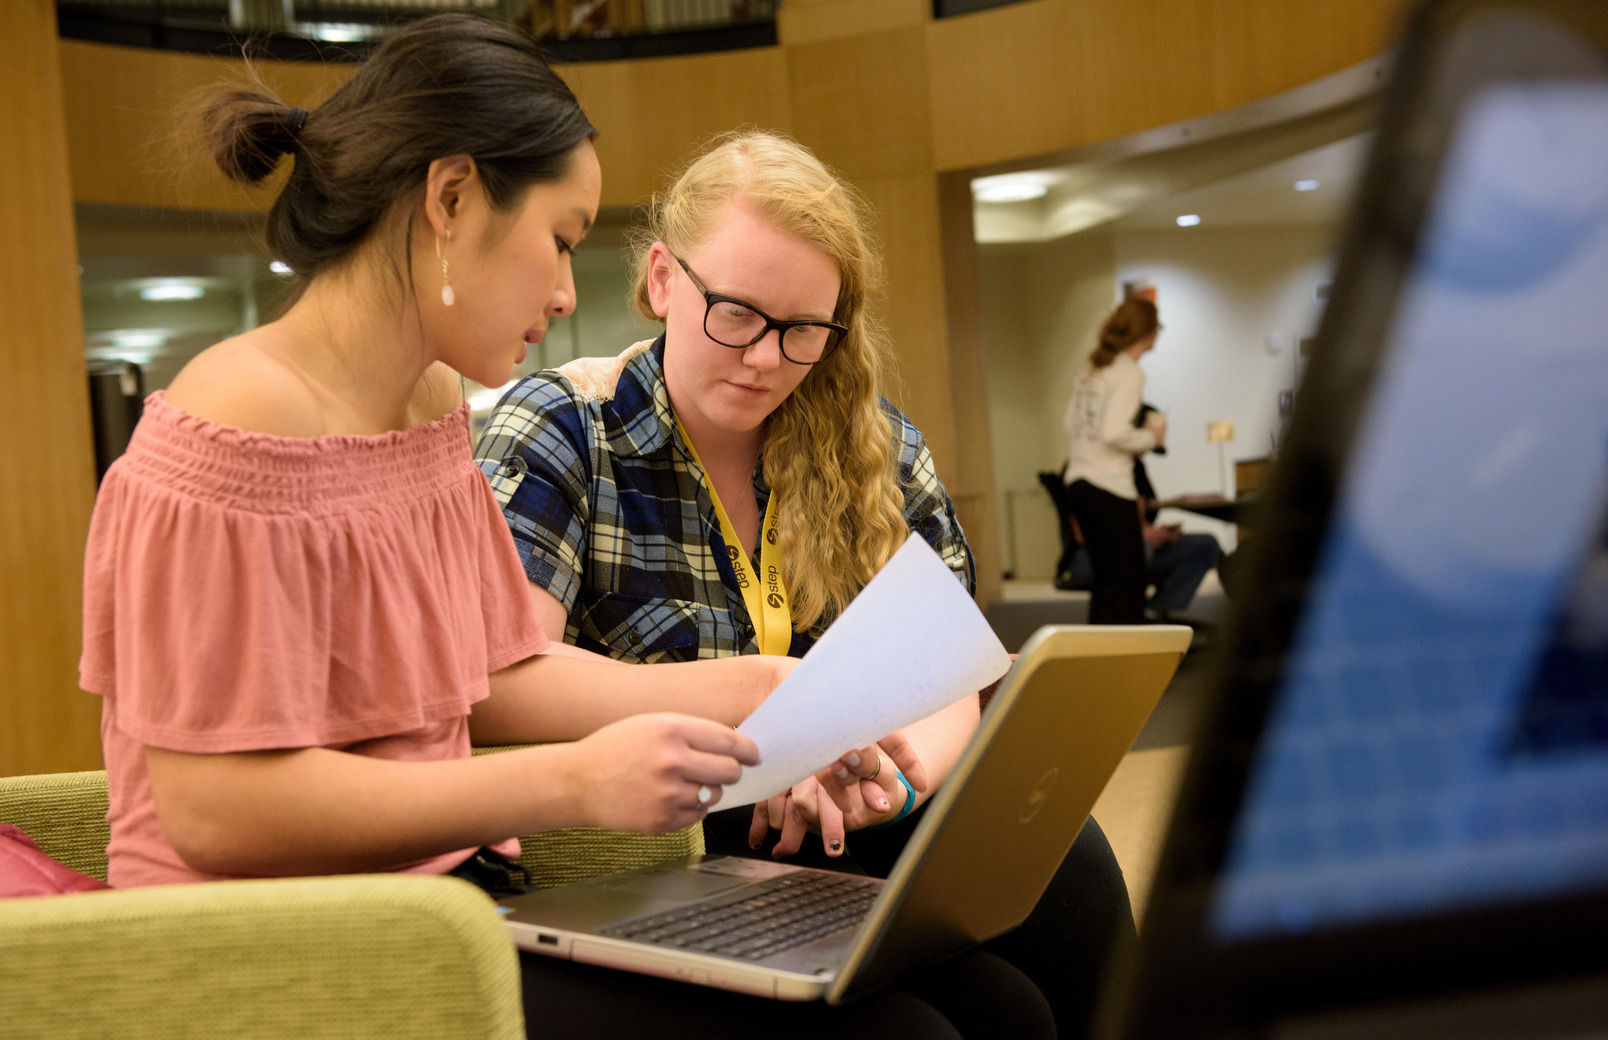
(1395, 819)
(988, 845)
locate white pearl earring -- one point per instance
(448, 297)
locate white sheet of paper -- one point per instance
(910, 643)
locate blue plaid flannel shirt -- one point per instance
(608, 516)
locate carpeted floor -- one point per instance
(1028, 605)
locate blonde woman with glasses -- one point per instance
(727, 488)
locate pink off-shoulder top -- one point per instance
(245, 592)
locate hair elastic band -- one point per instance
(295, 121)
(904, 810)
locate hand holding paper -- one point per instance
(910, 643)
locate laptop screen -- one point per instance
(1438, 738)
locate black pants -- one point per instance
(1066, 944)
(1110, 525)
(975, 995)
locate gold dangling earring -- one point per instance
(448, 297)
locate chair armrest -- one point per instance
(558, 857)
(384, 956)
(64, 813)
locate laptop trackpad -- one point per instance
(679, 884)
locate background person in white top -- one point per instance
(1099, 471)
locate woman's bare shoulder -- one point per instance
(241, 383)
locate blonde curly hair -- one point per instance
(829, 447)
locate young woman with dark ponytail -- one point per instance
(1099, 421)
(301, 602)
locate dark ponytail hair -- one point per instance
(449, 84)
(1133, 320)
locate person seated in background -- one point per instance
(1175, 561)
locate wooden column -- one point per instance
(47, 466)
(973, 484)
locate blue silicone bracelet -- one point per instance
(904, 810)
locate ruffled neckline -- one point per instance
(157, 405)
(272, 473)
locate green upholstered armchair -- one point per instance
(383, 956)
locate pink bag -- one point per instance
(25, 870)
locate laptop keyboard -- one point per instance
(775, 915)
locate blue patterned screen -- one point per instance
(1440, 735)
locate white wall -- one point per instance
(604, 322)
(1221, 292)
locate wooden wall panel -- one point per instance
(1150, 62)
(129, 142)
(47, 466)
(1042, 77)
(130, 146)
(1006, 84)
(857, 103)
(809, 21)
(1261, 48)
(652, 113)
(1022, 80)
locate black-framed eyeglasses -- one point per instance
(736, 323)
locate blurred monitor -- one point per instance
(1395, 821)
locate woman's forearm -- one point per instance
(320, 811)
(561, 697)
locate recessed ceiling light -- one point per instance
(279, 267)
(1306, 185)
(1011, 187)
(1189, 220)
(1018, 192)
(172, 291)
(336, 32)
(127, 340)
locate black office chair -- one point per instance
(1070, 542)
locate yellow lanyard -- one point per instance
(767, 606)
